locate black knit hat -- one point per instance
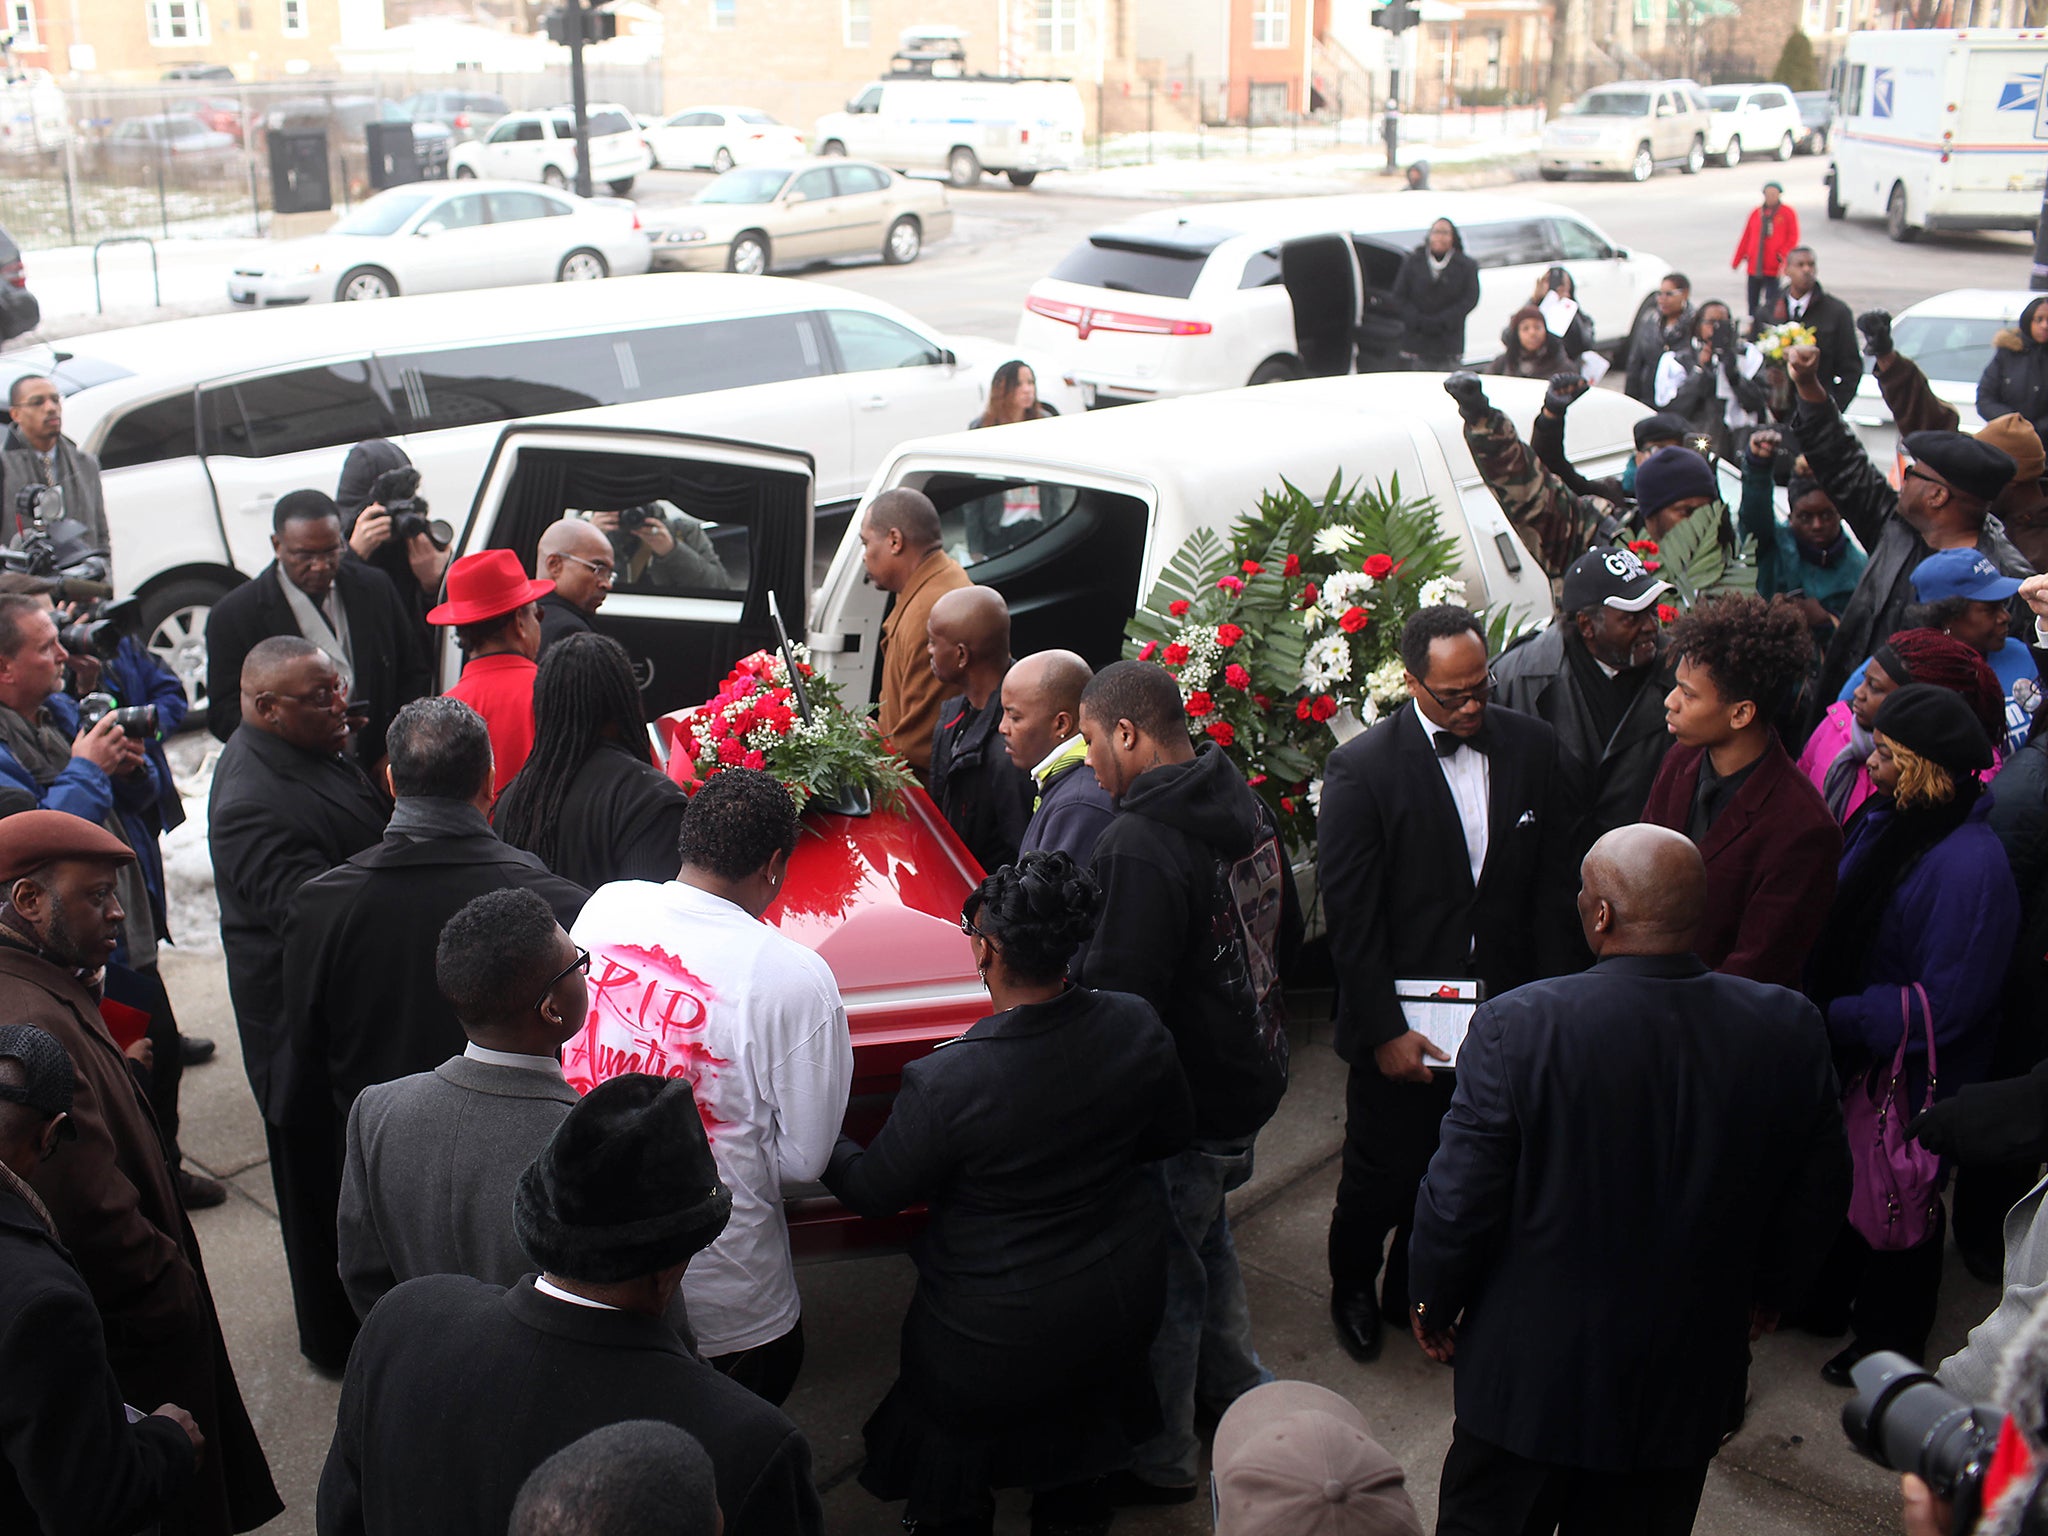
(1936, 724)
(625, 1187)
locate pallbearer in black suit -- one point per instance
(1443, 852)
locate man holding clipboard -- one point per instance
(1446, 872)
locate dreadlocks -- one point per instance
(585, 692)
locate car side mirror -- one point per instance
(947, 358)
(793, 198)
(1619, 253)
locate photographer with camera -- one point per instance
(662, 552)
(387, 524)
(37, 455)
(1711, 380)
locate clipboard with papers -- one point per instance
(1440, 1009)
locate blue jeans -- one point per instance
(1203, 1350)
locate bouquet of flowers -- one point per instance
(757, 721)
(1774, 341)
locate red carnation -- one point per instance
(754, 760)
(1292, 567)
(1378, 567)
(1199, 703)
(1287, 804)
(743, 687)
(1236, 676)
(743, 722)
(1234, 585)
(1323, 708)
(1256, 780)
(1309, 594)
(1222, 733)
(718, 728)
(1653, 565)
(1643, 546)
(1228, 634)
(1666, 614)
(1303, 711)
(1355, 619)
(1176, 653)
(1178, 607)
(1145, 651)
(730, 751)
(1262, 701)
(1253, 568)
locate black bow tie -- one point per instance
(1447, 743)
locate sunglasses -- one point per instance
(1453, 702)
(580, 963)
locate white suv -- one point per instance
(1752, 120)
(1632, 126)
(541, 146)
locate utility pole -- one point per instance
(1396, 16)
(2038, 282)
(569, 26)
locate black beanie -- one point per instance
(625, 1187)
(1936, 724)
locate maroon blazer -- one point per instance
(1771, 859)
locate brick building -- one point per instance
(133, 41)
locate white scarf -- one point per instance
(331, 638)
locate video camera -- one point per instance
(48, 544)
(397, 491)
(1903, 1419)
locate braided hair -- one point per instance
(1037, 911)
(585, 693)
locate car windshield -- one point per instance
(71, 374)
(1946, 347)
(609, 122)
(758, 185)
(384, 214)
(748, 115)
(1724, 101)
(184, 128)
(1613, 104)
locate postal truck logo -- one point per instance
(1881, 93)
(2020, 93)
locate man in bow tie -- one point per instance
(1444, 856)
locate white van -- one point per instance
(1183, 300)
(1940, 130)
(201, 424)
(33, 115)
(1011, 127)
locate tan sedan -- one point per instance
(758, 217)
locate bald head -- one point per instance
(1643, 891)
(574, 536)
(1042, 705)
(271, 661)
(967, 638)
(578, 559)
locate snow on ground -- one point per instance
(188, 865)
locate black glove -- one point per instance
(1935, 1127)
(1469, 390)
(1564, 389)
(1876, 326)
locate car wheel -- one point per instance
(1785, 147)
(553, 177)
(1895, 221)
(1731, 157)
(621, 187)
(905, 240)
(1836, 208)
(360, 283)
(1276, 370)
(1021, 178)
(1639, 169)
(465, 173)
(174, 629)
(1549, 175)
(722, 161)
(833, 147)
(582, 267)
(1696, 157)
(1820, 142)
(962, 169)
(749, 254)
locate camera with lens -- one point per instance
(100, 633)
(1903, 1419)
(137, 721)
(397, 491)
(633, 519)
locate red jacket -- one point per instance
(500, 688)
(1771, 859)
(1784, 236)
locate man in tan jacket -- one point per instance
(899, 545)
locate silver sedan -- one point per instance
(758, 217)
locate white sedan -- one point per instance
(431, 238)
(719, 138)
(1950, 337)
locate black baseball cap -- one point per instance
(1612, 578)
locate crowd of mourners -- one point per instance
(1688, 976)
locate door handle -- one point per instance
(875, 403)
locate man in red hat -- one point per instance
(110, 1194)
(495, 612)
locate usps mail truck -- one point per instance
(1940, 130)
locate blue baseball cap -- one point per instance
(1962, 573)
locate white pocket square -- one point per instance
(1528, 819)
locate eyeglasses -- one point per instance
(967, 927)
(1453, 702)
(1915, 472)
(603, 572)
(319, 698)
(580, 963)
(1670, 293)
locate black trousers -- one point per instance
(1488, 1491)
(1889, 1298)
(1390, 1132)
(144, 989)
(768, 1370)
(305, 1171)
(1763, 293)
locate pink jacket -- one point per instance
(1824, 746)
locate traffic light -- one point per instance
(1397, 16)
(598, 26)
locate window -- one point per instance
(564, 125)
(295, 18)
(869, 342)
(859, 178)
(858, 22)
(177, 21)
(21, 17)
(1269, 23)
(516, 131)
(1164, 271)
(327, 407)
(464, 212)
(721, 15)
(1520, 243)
(1575, 242)
(512, 207)
(812, 186)
(601, 123)
(163, 429)
(1059, 26)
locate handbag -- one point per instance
(1895, 1200)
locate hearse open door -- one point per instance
(702, 530)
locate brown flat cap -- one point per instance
(31, 839)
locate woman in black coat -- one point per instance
(1042, 1274)
(1436, 288)
(2016, 378)
(589, 802)
(1532, 352)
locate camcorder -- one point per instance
(1905, 1420)
(47, 544)
(397, 491)
(137, 721)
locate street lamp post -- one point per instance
(1396, 16)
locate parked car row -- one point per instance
(1635, 126)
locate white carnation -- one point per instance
(1442, 589)
(1333, 541)
(1387, 683)
(1346, 589)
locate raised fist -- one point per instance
(1876, 326)
(1469, 390)
(1564, 389)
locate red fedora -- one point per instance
(486, 585)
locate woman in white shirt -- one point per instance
(1712, 381)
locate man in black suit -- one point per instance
(1642, 1165)
(360, 993)
(578, 560)
(351, 611)
(288, 804)
(459, 1390)
(1443, 854)
(1833, 325)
